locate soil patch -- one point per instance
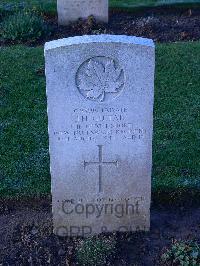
(160, 24)
(26, 236)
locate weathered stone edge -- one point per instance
(103, 38)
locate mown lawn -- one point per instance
(49, 6)
(24, 161)
(129, 2)
(150, 3)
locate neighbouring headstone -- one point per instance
(100, 92)
(72, 10)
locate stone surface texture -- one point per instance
(100, 92)
(72, 10)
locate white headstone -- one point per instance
(100, 92)
(72, 10)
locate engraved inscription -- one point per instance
(100, 79)
(96, 124)
(100, 165)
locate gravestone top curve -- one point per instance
(103, 38)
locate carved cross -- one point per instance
(100, 165)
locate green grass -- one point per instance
(24, 161)
(149, 3)
(177, 118)
(45, 6)
(49, 6)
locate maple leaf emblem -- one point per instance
(100, 78)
